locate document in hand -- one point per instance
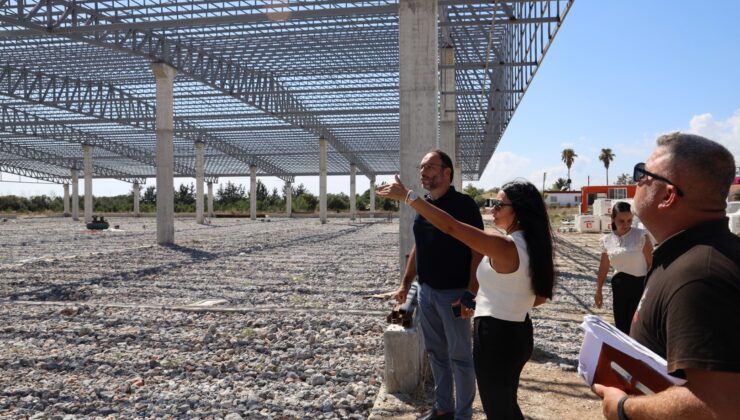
(612, 358)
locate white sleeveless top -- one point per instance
(506, 296)
(625, 252)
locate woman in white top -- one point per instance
(629, 250)
(516, 273)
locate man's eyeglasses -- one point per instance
(426, 166)
(640, 173)
(498, 204)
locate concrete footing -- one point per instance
(404, 359)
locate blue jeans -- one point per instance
(448, 343)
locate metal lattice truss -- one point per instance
(258, 82)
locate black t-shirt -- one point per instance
(442, 261)
(690, 311)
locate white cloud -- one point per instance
(503, 167)
(725, 132)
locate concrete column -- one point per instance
(418, 108)
(322, 180)
(165, 76)
(75, 195)
(448, 141)
(210, 200)
(199, 175)
(252, 192)
(288, 198)
(137, 191)
(66, 199)
(372, 195)
(87, 165)
(447, 106)
(352, 191)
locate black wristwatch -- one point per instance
(620, 408)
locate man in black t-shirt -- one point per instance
(445, 268)
(689, 311)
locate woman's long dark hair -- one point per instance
(531, 214)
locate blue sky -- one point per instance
(619, 74)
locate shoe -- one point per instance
(432, 415)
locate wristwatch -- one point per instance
(411, 196)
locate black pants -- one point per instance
(627, 291)
(500, 350)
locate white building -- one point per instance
(563, 198)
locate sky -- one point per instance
(618, 74)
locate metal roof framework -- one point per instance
(259, 81)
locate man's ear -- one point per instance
(669, 198)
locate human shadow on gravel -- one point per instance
(194, 254)
(579, 391)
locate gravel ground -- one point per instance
(106, 323)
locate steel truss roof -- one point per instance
(259, 81)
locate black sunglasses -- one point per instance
(640, 173)
(497, 204)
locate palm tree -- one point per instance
(568, 156)
(606, 156)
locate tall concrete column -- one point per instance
(288, 198)
(87, 165)
(210, 200)
(199, 176)
(448, 141)
(418, 93)
(322, 180)
(137, 192)
(75, 195)
(165, 76)
(66, 199)
(372, 195)
(252, 192)
(352, 191)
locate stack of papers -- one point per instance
(612, 358)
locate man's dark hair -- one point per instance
(531, 214)
(446, 161)
(619, 207)
(708, 162)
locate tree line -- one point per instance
(229, 198)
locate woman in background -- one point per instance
(629, 250)
(516, 273)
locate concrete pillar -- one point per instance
(352, 191)
(322, 180)
(288, 198)
(87, 165)
(199, 175)
(404, 358)
(418, 106)
(210, 200)
(66, 199)
(75, 195)
(372, 195)
(137, 192)
(252, 192)
(448, 141)
(165, 76)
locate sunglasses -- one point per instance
(640, 173)
(497, 204)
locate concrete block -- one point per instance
(404, 359)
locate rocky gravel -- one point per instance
(97, 324)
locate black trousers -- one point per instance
(500, 350)
(627, 291)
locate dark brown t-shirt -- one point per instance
(690, 310)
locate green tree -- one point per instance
(568, 156)
(606, 157)
(185, 195)
(560, 184)
(230, 193)
(337, 202)
(150, 195)
(624, 179)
